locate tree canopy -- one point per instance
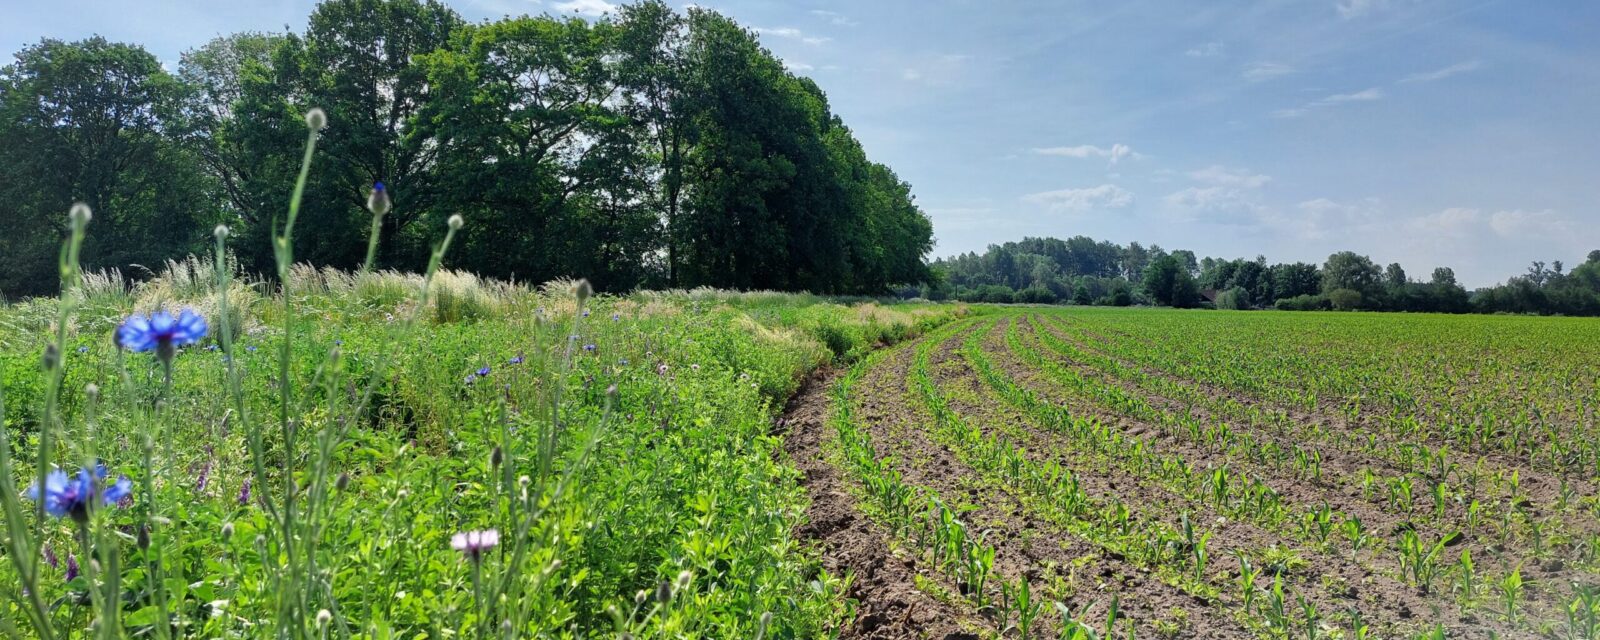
(649, 149)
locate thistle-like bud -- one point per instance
(664, 592)
(92, 392)
(323, 618)
(316, 119)
(342, 481)
(221, 232)
(684, 578)
(640, 597)
(143, 538)
(378, 200)
(583, 290)
(227, 531)
(495, 456)
(52, 357)
(456, 221)
(506, 628)
(80, 213)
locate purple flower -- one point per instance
(516, 359)
(50, 557)
(204, 479)
(624, 362)
(585, 313)
(72, 567)
(83, 349)
(244, 493)
(615, 317)
(251, 348)
(472, 544)
(483, 372)
(470, 379)
(589, 347)
(211, 347)
(72, 495)
(161, 331)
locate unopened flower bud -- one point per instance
(92, 392)
(143, 539)
(80, 213)
(583, 290)
(323, 617)
(640, 597)
(664, 592)
(684, 577)
(227, 531)
(221, 232)
(378, 200)
(342, 481)
(455, 222)
(316, 119)
(52, 357)
(494, 457)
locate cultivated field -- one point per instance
(1098, 473)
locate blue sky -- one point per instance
(1424, 132)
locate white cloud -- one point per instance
(1440, 74)
(1261, 71)
(1207, 50)
(834, 17)
(1455, 222)
(1223, 176)
(586, 7)
(797, 66)
(791, 33)
(1105, 196)
(1114, 152)
(1365, 95)
(1531, 224)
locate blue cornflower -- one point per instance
(161, 331)
(470, 379)
(589, 347)
(624, 362)
(211, 347)
(483, 372)
(251, 348)
(83, 349)
(615, 317)
(585, 313)
(516, 359)
(72, 495)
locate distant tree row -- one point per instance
(653, 148)
(1081, 270)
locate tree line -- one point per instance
(1081, 270)
(651, 148)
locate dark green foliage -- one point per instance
(1235, 298)
(1303, 303)
(1168, 282)
(87, 122)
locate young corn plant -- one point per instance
(1419, 562)
(1511, 593)
(1017, 599)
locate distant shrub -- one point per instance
(998, 293)
(1235, 298)
(1345, 299)
(1302, 303)
(1036, 295)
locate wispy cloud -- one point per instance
(1261, 71)
(585, 7)
(1440, 74)
(835, 18)
(1105, 196)
(797, 66)
(1365, 95)
(1357, 8)
(789, 33)
(1114, 152)
(1219, 175)
(1207, 50)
